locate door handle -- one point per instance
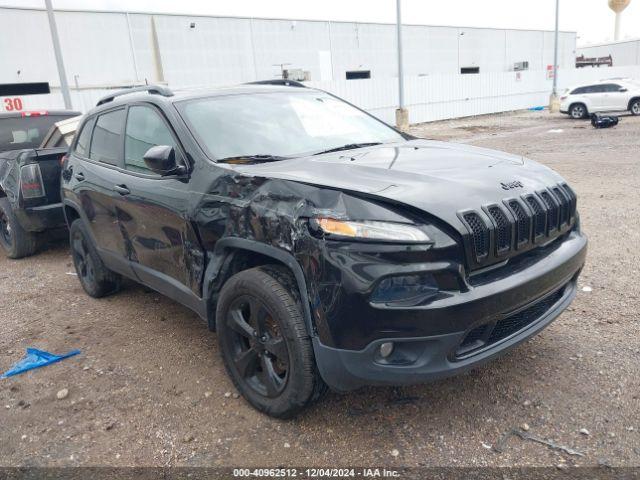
(80, 177)
(121, 189)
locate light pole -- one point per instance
(554, 102)
(402, 114)
(64, 86)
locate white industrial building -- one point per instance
(105, 49)
(622, 53)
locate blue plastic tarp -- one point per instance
(35, 359)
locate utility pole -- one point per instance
(554, 102)
(64, 85)
(402, 114)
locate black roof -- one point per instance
(161, 94)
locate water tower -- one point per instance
(618, 6)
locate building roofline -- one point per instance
(202, 15)
(605, 44)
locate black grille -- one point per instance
(474, 336)
(565, 205)
(553, 211)
(573, 200)
(503, 229)
(523, 225)
(515, 224)
(477, 338)
(480, 234)
(539, 217)
(516, 322)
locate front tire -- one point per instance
(96, 279)
(578, 111)
(264, 342)
(634, 108)
(14, 240)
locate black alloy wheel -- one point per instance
(82, 260)
(260, 353)
(96, 279)
(265, 343)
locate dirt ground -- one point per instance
(149, 388)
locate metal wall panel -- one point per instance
(430, 50)
(357, 46)
(115, 48)
(523, 46)
(215, 51)
(444, 96)
(623, 53)
(482, 48)
(142, 40)
(26, 54)
(96, 47)
(297, 43)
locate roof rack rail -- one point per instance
(280, 81)
(152, 89)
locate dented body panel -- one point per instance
(185, 235)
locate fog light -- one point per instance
(386, 349)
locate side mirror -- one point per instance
(161, 159)
(623, 90)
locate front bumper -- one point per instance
(41, 218)
(445, 325)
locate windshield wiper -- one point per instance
(252, 158)
(349, 146)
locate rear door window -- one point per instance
(106, 143)
(145, 129)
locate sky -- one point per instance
(591, 19)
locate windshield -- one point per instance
(280, 124)
(25, 132)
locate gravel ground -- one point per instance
(149, 388)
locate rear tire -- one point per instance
(578, 111)
(14, 240)
(634, 108)
(264, 342)
(96, 279)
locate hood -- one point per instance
(439, 178)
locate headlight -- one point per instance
(371, 230)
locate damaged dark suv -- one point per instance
(325, 247)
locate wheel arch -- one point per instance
(579, 103)
(72, 212)
(632, 101)
(232, 255)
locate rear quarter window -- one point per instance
(84, 138)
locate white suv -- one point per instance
(604, 96)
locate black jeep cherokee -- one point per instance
(325, 247)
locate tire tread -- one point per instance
(279, 282)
